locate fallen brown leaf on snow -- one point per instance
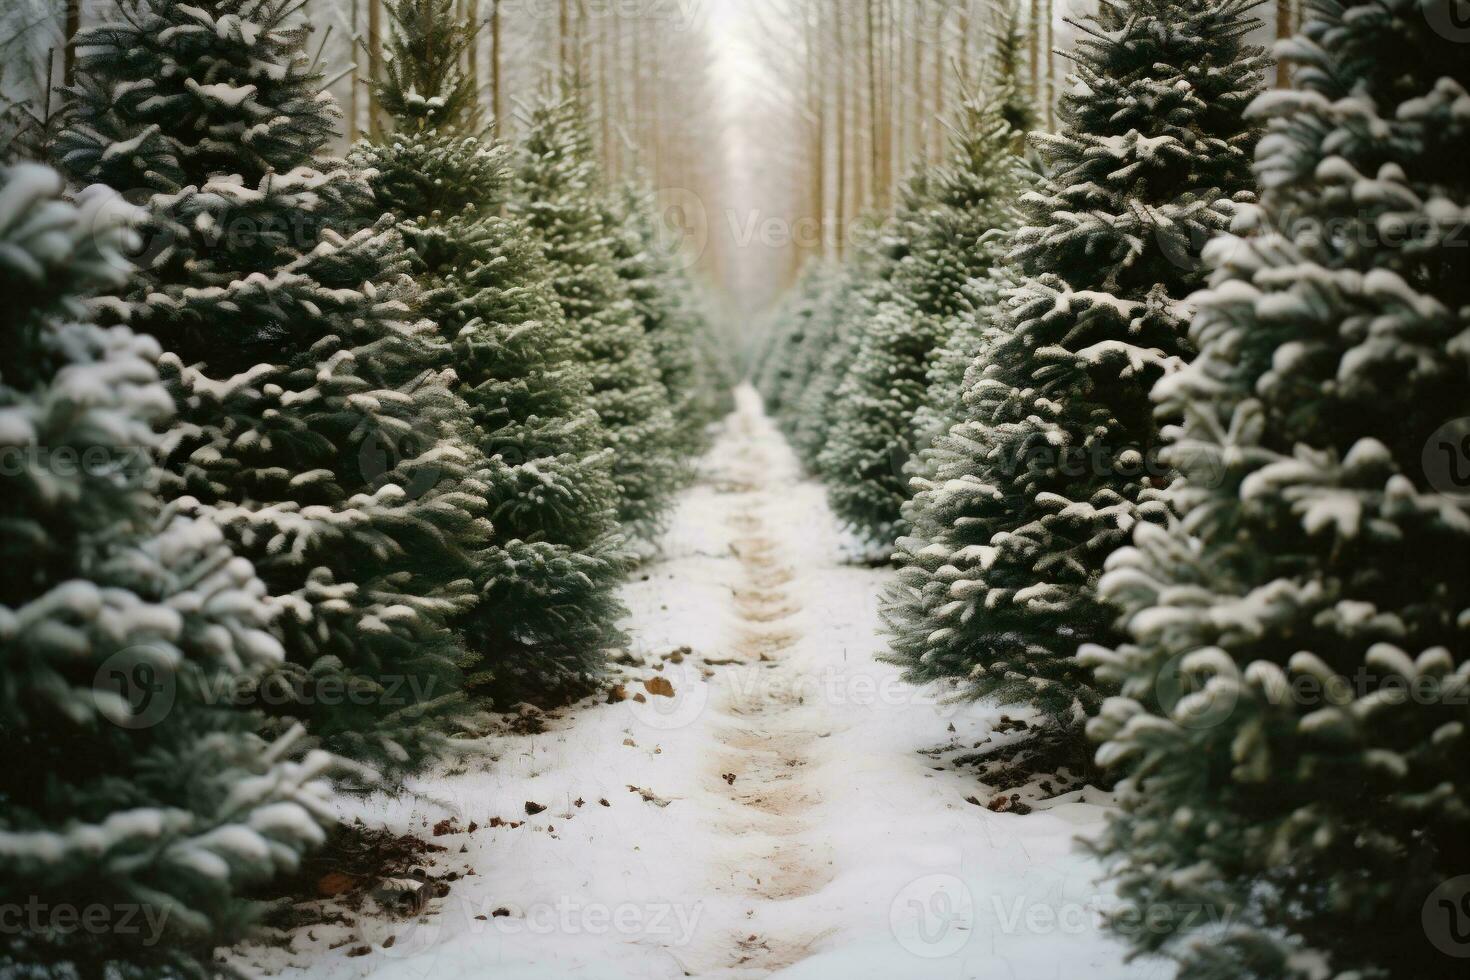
(335, 883)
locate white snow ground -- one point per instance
(784, 821)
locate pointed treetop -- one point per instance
(425, 85)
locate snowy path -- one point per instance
(788, 811)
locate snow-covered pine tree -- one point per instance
(1052, 464)
(680, 335)
(548, 609)
(25, 128)
(972, 331)
(1007, 62)
(827, 350)
(867, 445)
(961, 225)
(785, 362)
(559, 194)
(1292, 730)
(317, 427)
(714, 361)
(807, 374)
(969, 335)
(131, 780)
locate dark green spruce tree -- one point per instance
(133, 786)
(559, 195)
(820, 333)
(678, 328)
(547, 583)
(972, 331)
(1292, 733)
(1054, 460)
(317, 427)
(961, 231)
(825, 351)
(784, 363)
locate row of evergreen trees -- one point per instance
(1188, 471)
(311, 460)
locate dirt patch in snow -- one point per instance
(354, 864)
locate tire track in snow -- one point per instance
(764, 755)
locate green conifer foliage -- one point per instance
(960, 223)
(547, 610)
(1295, 672)
(1052, 463)
(817, 333)
(792, 345)
(968, 334)
(559, 195)
(827, 350)
(678, 328)
(317, 426)
(131, 780)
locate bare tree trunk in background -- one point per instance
(354, 95)
(1035, 41)
(840, 26)
(862, 125)
(375, 61)
(473, 54)
(604, 96)
(579, 51)
(657, 170)
(936, 130)
(629, 74)
(967, 39)
(903, 85)
(72, 25)
(1051, 68)
(867, 86)
(921, 86)
(620, 68)
(875, 113)
(497, 70)
(637, 116)
(885, 125)
(817, 122)
(563, 38)
(461, 16)
(1283, 31)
